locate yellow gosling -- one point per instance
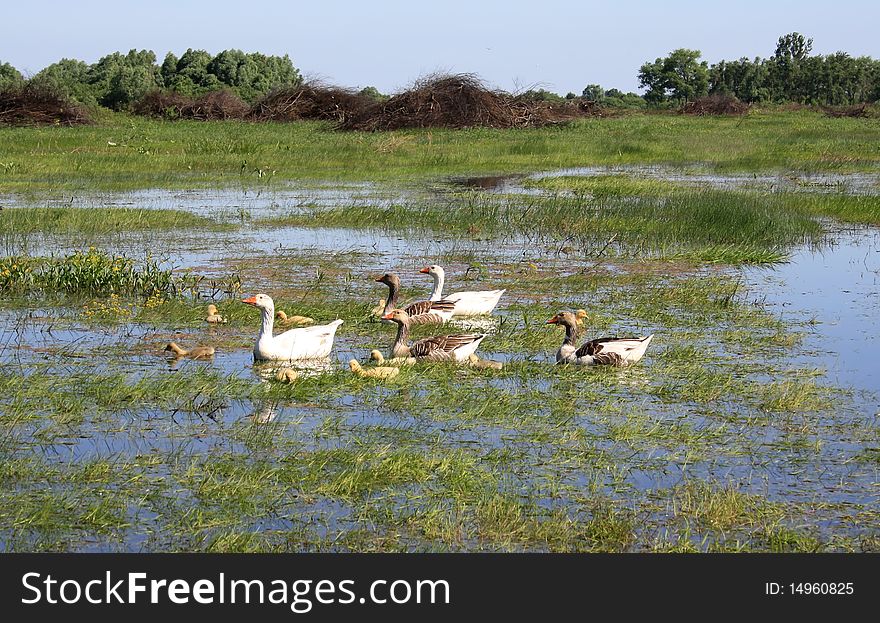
(199, 352)
(284, 319)
(213, 316)
(286, 375)
(581, 315)
(483, 364)
(379, 358)
(382, 373)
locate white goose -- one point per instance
(466, 303)
(609, 351)
(438, 348)
(304, 343)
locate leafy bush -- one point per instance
(9, 76)
(92, 272)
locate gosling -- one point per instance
(379, 309)
(213, 316)
(382, 373)
(286, 375)
(199, 352)
(581, 315)
(483, 364)
(379, 358)
(284, 319)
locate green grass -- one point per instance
(722, 439)
(601, 186)
(534, 457)
(91, 272)
(152, 153)
(704, 226)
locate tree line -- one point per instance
(790, 75)
(117, 80)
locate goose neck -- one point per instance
(393, 293)
(439, 281)
(268, 321)
(570, 335)
(399, 348)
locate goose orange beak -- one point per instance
(425, 270)
(387, 316)
(553, 320)
(250, 301)
(379, 279)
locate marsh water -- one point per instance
(830, 292)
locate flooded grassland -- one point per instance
(751, 424)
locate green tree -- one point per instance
(593, 92)
(70, 78)
(745, 79)
(373, 93)
(253, 75)
(9, 76)
(190, 75)
(680, 76)
(785, 68)
(615, 98)
(119, 79)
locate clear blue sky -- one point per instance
(561, 46)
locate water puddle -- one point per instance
(836, 291)
(848, 183)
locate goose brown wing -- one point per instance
(441, 343)
(426, 307)
(593, 347)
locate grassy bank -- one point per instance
(122, 152)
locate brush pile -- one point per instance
(310, 101)
(457, 101)
(715, 104)
(217, 105)
(857, 111)
(38, 105)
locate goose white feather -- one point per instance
(611, 351)
(303, 343)
(470, 303)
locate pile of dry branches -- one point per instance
(310, 101)
(217, 105)
(458, 101)
(859, 110)
(36, 105)
(715, 104)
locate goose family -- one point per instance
(611, 351)
(316, 342)
(285, 320)
(420, 312)
(476, 303)
(213, 315)
(437, 348)
(302, 343)
(199, 352)
(378, 372)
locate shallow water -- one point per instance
(848, 183)
(837, 288)
(832, 293)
